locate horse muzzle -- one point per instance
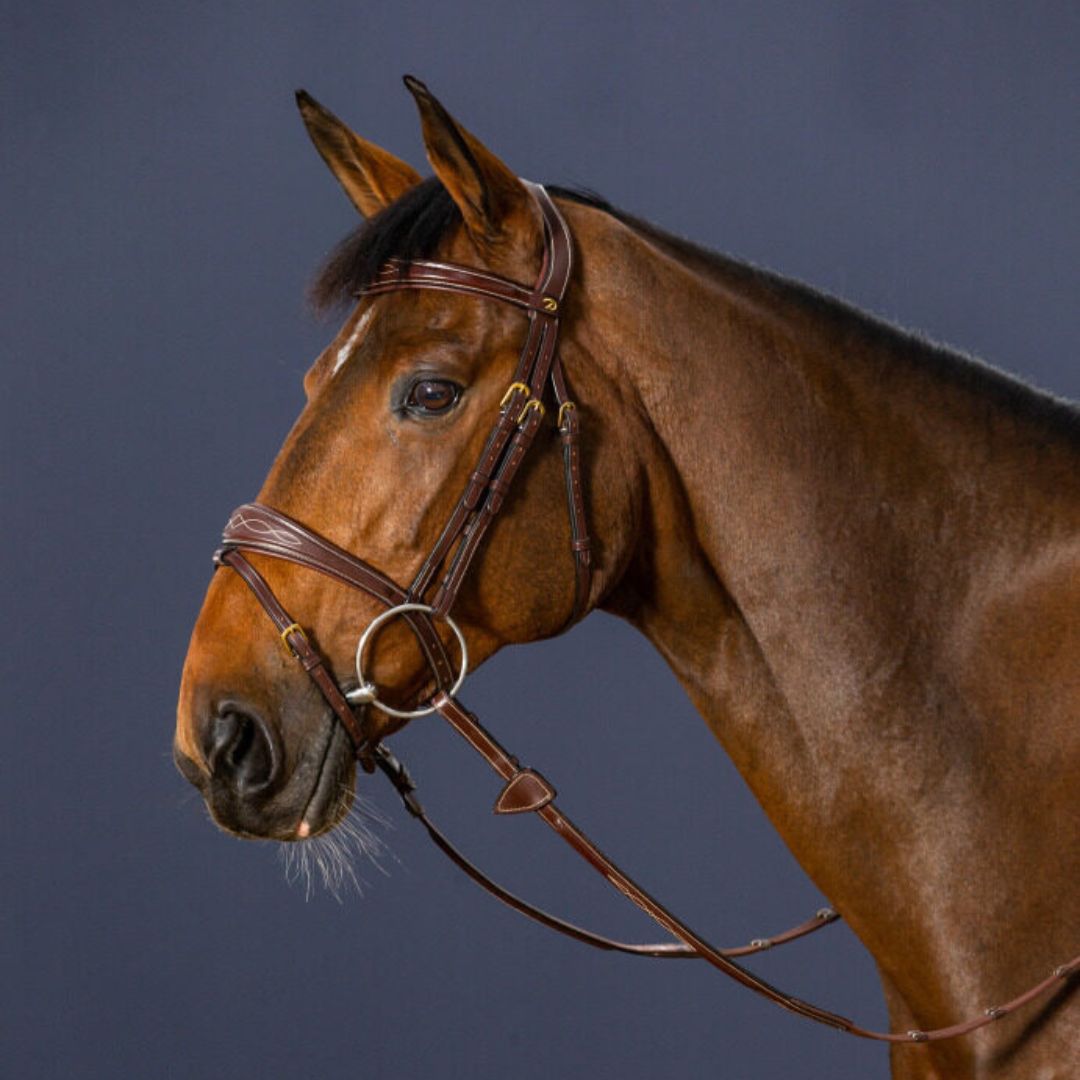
(248, 785)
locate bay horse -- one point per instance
(858, 551)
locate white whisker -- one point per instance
(331, 859)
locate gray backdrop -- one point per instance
(162, 212)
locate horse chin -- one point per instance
(331, 796)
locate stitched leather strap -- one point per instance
(259, 528)
(515, 430)
(296, 640)
(406, 788)
(467, 725)
(580, 544)
(485, 744)
(477, 484)
(422, 274)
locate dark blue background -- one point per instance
(162, 211)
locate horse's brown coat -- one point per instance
(859, 554)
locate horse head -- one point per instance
(400, 410)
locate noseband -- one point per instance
(430, 597)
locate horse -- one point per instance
(858, 551)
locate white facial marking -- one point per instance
(346, 350)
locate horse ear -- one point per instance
(371, 177)
(488, 194)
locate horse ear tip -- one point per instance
(415, 86)
(312, 111)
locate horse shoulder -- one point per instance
(1018, 653)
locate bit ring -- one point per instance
(365, 693)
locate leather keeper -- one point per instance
(526, 791)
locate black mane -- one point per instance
(410, 228)
(413, 226)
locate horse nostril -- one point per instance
(240, 752)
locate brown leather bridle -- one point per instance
(265, 531)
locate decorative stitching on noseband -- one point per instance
(261, 527)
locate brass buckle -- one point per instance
(512, 390)
(564, 408)
(292, 628)
(532, 403)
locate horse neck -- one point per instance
(827, 503)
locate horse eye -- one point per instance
(432, 396)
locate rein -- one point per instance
(265, 531)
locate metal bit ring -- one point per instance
(365, 693)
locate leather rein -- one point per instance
(254, 528)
